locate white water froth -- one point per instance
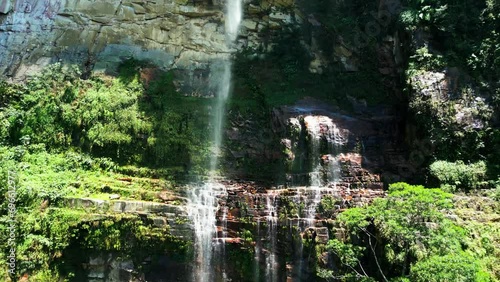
(325, 140)
(202, 210)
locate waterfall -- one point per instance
(224, 88)
(258, 250)
(203, 205)
(202, 210)
(314, 129)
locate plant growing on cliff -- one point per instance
(459, 39)
(328, 205)
(390, 237)
(458, 175)
(51, 235)
(135, 118)
(423, 59)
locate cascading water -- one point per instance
(321, 129)
(202, 210)
(314, 129)
(272, 225)
(224, 88)
(233, 19)
(204, 198)
(258, 251)
(324, 140)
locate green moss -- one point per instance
(51, 241)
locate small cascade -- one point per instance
(272, 267)
(220, 246)
(258, 251)
(203, 198)
(324, 141)
(314, 128)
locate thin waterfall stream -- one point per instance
(204, 197)
(272, 226)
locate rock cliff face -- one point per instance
(187, 36)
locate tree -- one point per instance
(385, 239)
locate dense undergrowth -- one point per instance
(127, 119)
(51, 234)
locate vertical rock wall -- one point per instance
(187, 36)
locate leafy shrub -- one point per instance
(452, 267)
(327, 205)
(496, 194)
(423, 59)
(458, 175)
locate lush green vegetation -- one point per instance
(458, 175)
(66, 138)
(409, 237)
(461, 40)
(127, 119)
(52, 177)
(51, 234)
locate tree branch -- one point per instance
(353, 269)
(375, 256)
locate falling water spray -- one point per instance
(204, 198)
